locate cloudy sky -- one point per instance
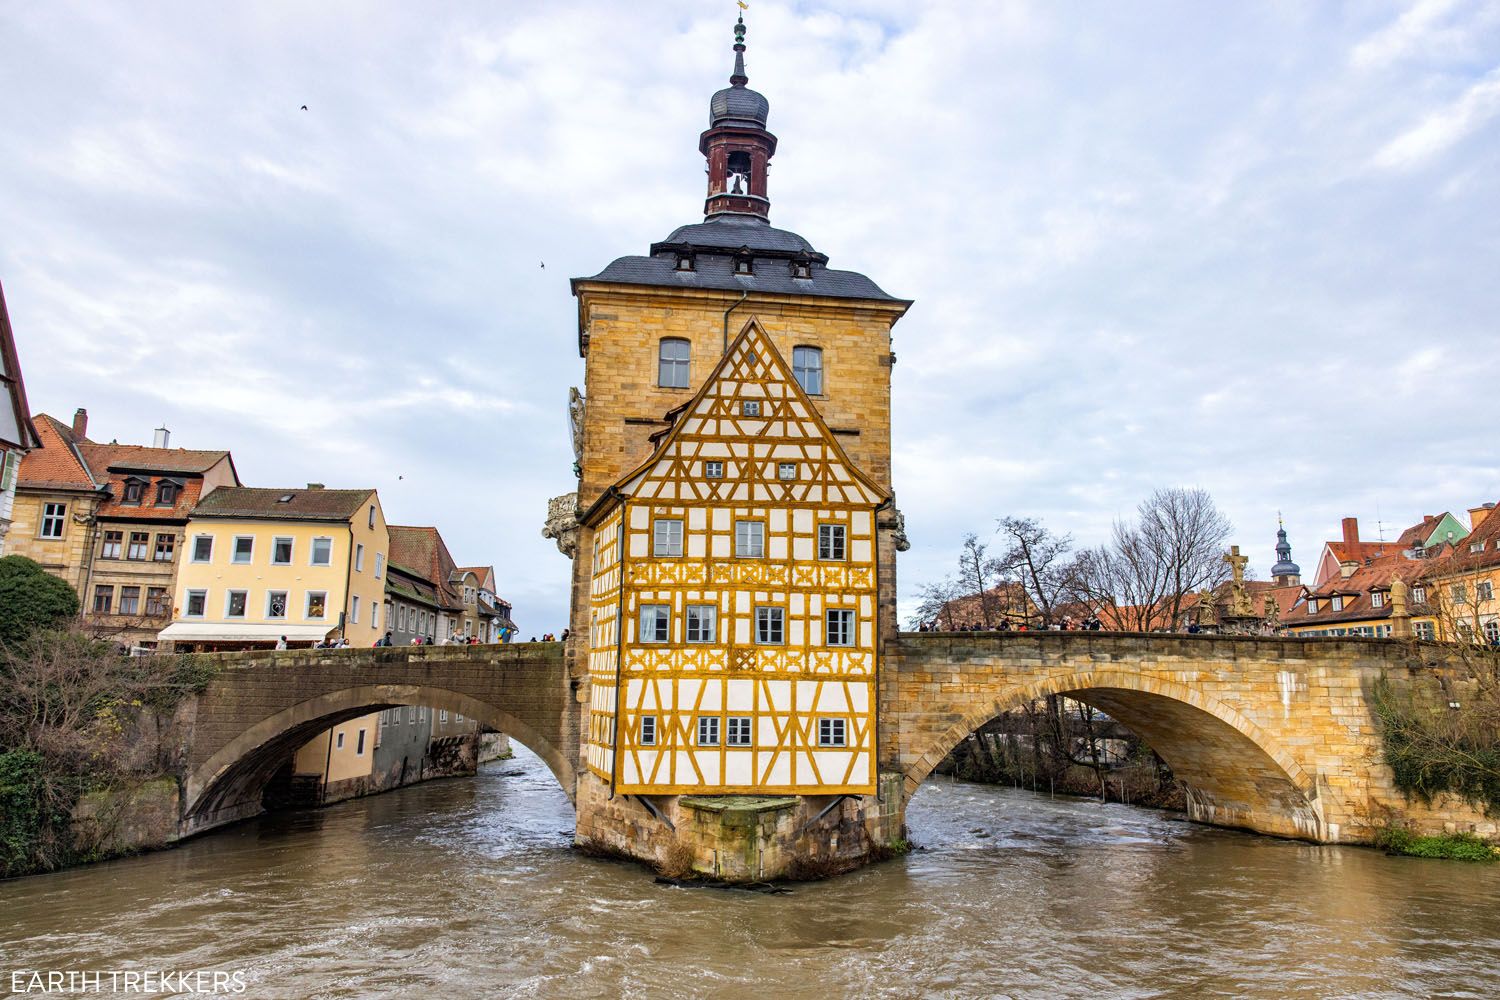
(1248, 247)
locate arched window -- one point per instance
(673, 363)
(807, 366)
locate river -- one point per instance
(468, 888)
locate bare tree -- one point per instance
(1036, 560)
(935, 604)
(1141, 576)
(977, 576)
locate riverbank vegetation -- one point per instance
(1449, 846)
(72, 712)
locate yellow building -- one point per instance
(307, 564)
(1461, 585)
(734, 589)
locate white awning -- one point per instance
(242, 632)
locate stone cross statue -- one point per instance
(1239, 599)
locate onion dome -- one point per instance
(737, 102)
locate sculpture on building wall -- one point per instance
(562, 523)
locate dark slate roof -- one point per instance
(304, 505)
(738, 104)
(731, 234)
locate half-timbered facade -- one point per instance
(733, 635)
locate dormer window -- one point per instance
(134, 490)
(1338, 602)
(1377, 599)
(1312, 605)
(1476, 546)
(802, 268)
(685, 262)
(744, 264)
(167, 492)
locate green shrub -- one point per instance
(1433, 749)
(24, 817)
(1451, 846)
(31, 600)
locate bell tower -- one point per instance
(737, 145)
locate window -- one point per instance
(442, 715)
(648, 731)
(807, 369)
(468, 595)
(655, 621)
(54, 515)
(234, 604)
(354, 609)
(770, 626)
(276, 604)
(134, 488)
(1422, 630)
(104, 597)
(374, 614)
(750, 408)
(281, 552)
(700, 623)
(1312, 605)
(1338, 602)
(737, 731)
(840, 627)
(749, 539)
(667, 538)
(786, 470)
(379, 565)
(708, 731)
(166, 547)
(140, 541)
(1377, 599)
(197, 600)
(244, 549)
(1419, 595)
(802, 269)
(713, 470)
(1484, 590)
(372, 516)
(359, 565)
(203, 548)
(111, 547)
(684, 262)
(831, 733)
(156, 602)
(166, 493)
(317, 604)
(1476, 546)
(130, 600)
(322, 551)
(743, 265)
(674, 362)
(411, 713)
(832, 542)
(1492, 632)
(1458, 593)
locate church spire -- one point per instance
(737, 145)
(1285, 573)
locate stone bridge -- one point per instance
(1275, 735)
(1269, 734)
(264, 705)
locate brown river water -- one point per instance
(468, 888)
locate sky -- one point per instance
(1253, 248)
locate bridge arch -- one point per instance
(222, 788)
(1237, 773)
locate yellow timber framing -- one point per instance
(786, 689)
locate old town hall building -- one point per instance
(734, 531)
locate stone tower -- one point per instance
(719, 314)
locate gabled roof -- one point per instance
(13, 386)
(291, 504)
(1375, 576)
(138, 458)
(422, 552)
(713, 426)
(58, 464)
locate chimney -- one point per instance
(1351, 530)
(1347, 568)
(80, 423)
(315, 486)
(1478, 514)
(161, 438)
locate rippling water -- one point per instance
(469, 888)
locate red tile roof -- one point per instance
(57, 464)
(138, 458)
(421, 552)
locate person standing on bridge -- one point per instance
(281, 643)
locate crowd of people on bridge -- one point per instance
(1066, 624)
